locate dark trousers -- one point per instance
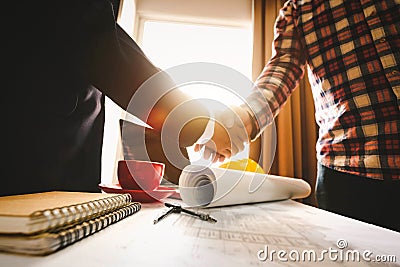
(361, 198)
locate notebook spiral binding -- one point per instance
(73, 214)
(85, 229)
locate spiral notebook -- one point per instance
(47, 243)
(49, 211)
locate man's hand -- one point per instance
(232, 130)
(218, 147)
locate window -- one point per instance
(168, 44)
(178, 32)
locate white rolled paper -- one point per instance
(201, 186)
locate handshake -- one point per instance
(227, 133)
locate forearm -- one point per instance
(139, 87)
(281, 74)
(180, 116)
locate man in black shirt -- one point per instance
(61, 59)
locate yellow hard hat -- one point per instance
(248, 165)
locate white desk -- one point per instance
(235, 240)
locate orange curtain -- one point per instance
(296, 130)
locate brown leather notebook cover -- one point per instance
(39, 212)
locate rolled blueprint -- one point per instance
(201, 186)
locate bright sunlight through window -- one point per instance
(168, 44)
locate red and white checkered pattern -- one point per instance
(352, 49)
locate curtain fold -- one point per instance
(296, 130)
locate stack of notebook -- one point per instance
(42, 223)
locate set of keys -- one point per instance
(178, 209)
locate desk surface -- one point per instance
(243, 236)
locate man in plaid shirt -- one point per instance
(352, 49)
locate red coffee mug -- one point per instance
(140, 175)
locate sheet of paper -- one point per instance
(242, 231)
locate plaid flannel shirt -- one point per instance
(352, 49)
